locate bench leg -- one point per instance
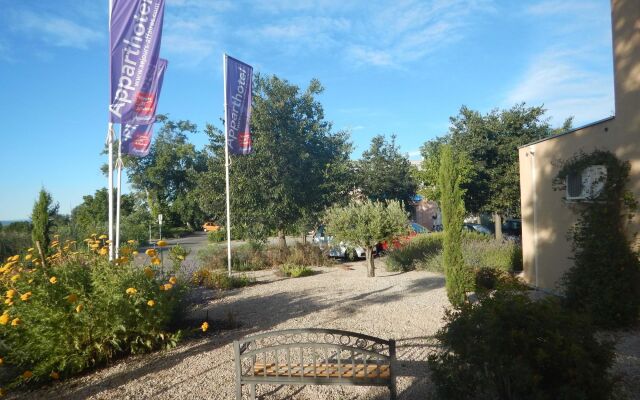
(393, 393)
(238, 391)
(253, 391)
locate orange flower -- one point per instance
(168, 286)
(4, 318)
(10, 293)
(173, 280)
(54, 375)
(204, 326)
(156, 261)
(132, 291)
(161, 243)
(27, 374)
(151, 303)
(150, 252)
(79, 308)
(16, 322)
(25, 296)
(148, 272)
(53, 280)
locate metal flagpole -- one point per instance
(119, 166)
(110, 175)
(226, 163)
(110, 188)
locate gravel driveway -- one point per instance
(405, 306)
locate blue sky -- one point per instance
(400, 67)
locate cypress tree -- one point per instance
(41, 219)
(459, 279)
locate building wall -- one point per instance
(546, 218)
(425, 210)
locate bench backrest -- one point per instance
(313, 349)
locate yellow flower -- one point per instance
(167, 286)
(53, 280)
(54, 375)
(161, 243)
(8, 302)
(10, 293)
(15, 277)
(25, 296)
(132, 291)
(79, 308)
(148, 272)
(156, 261)
(135, 253)
(30, 280)
(72, 298)
(28, 257)
(54, 244)
(204, 326)
(131, 241)
(151, 303)
(150, 252)
(27, 374)
(15, 258)
(173, 280)
(103, 251)
(180, 257)
(30, 249)
(107, 241)
(103, 236)
(4, 318)
(16, 322)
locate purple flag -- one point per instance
(136, 139)
(144, 111)
(238, 103)
(136, 31)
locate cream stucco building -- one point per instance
(546, 218)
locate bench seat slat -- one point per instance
(323, 370)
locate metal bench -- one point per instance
(314, 357)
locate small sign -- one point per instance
(160, 219)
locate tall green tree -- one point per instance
(167, 175)
(298, 166)
(42, 219)
(459, 279)
(491, 142)
(366, 224)
(384, 173)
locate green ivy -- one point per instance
(604, 280)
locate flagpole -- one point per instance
(226, 163)
(110, 174)
(119, 166)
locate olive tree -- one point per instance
(366, 224)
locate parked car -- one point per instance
(512, 230)
(414, 229)
(210, 227)
(477, 228)
(340, 250)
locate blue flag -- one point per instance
(239, 79)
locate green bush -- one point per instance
(295, 271)
(424, 252)
(11, 242)
(217, 236)
(81, 310)
(220, 280)
(510, 347)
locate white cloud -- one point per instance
(55, 30)
(567, 84)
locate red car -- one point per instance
(397, 243)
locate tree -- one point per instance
(167, 175)
(384, 173)
(459, 279)
(428, 175)
(298, 166)
(366, 224)
(491, 142)
(42, 219)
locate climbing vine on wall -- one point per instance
(604, 280)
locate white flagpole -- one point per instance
(110, 188)
(110, 175)
(226, 163)
(119, 194)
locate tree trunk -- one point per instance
(371, 269)
(282, 241)
(304, 238)
(497, 220)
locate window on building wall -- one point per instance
(586, 184)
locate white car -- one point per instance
(341, 249)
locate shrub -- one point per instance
(220, 280)
(417, 250)
(488, 280)
(510, 347)
(177, 254)
(605, 278)
(217, 236)
(296, 271)
(81, 310)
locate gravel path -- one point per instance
(407, 307)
